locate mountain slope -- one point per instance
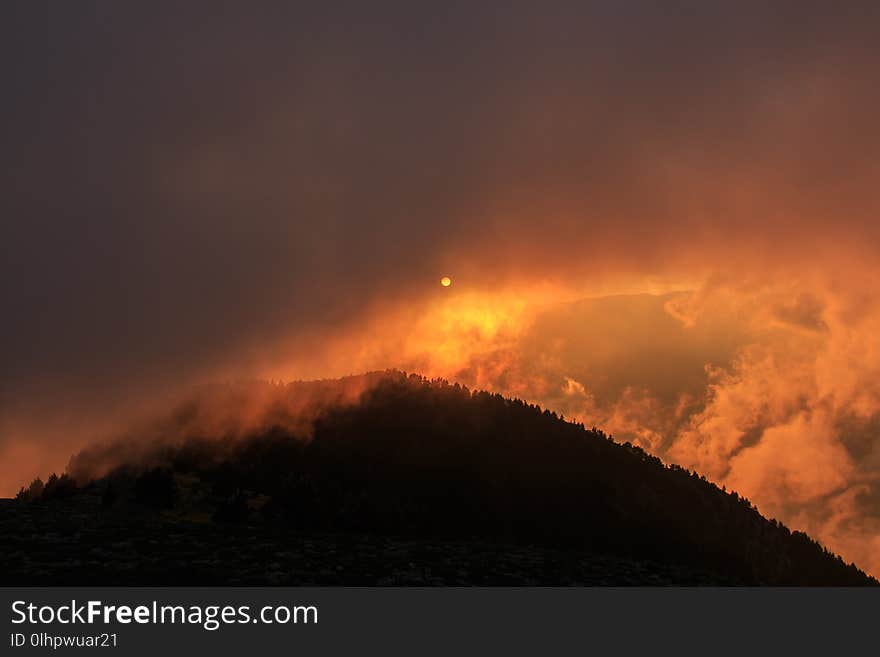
(415, 462)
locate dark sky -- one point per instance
(196, 190)
(179, 180)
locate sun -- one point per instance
(446, 281)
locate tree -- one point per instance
(156, 489)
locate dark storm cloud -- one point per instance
(185, 182)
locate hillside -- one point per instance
(406, 481)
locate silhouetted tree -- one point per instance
(110, 495)
(58, 487)
(156, 489)
(32, 492)
(233, 510)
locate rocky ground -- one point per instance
(76, 542)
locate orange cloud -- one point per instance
(766, 386)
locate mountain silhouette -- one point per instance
(408, 481)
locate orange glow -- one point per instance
(769, 388)
(761, 386)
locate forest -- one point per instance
(432, 461)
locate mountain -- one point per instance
(391, 478)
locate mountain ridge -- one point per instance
(395, 455)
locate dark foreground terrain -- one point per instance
(407, 482)
(76, 543)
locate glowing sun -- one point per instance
(446, 281)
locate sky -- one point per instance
(659, 218)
